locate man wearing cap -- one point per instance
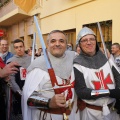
(96, 80)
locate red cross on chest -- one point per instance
(103, 83)
(62, 90)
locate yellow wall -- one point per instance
(55, 6)
(75, 13)
(67, 15)
(63, 21)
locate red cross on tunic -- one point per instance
(69, 94)
(103, 83)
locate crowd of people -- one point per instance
(80, 84)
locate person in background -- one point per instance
(39, 53)
(17, 80)
(4, 53)
(5, 71)
(115, 55)
(39, 100)
(97, 81)
(115, 50)
(29, 51)
(70, 46)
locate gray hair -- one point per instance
(56, 31)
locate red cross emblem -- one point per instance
(69, 95)
(68, 88)
(103, 83)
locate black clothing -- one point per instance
(2, 100)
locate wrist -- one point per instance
(115, 93)
(100, 92)
(38, 102)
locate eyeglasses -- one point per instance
(86, 40)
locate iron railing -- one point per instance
(8, 6)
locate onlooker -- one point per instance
(45, 97)
(39, 53)
(5, 54)
(70, 46)
(5, 71)
(29, 51)
(17, 80)
(115, 50)
(96, 80)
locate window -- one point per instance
(106, 27)
(71, 36)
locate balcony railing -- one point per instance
(3, 2)
(7, 7)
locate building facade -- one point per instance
(67, 15)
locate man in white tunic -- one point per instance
(96, 80)
(39, 101)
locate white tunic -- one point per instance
(97, 79)
(37, 80)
